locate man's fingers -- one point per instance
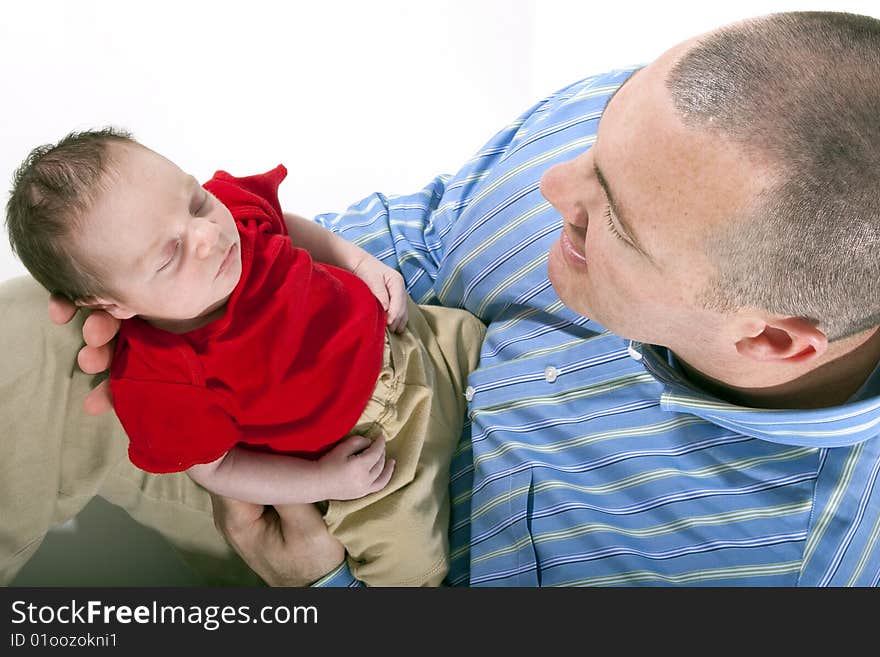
(93, 360)
(296, 548)
(99, 328)
(235, 519)
(98, 331)
(61, 310)
(98, 401)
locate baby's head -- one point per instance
(110, 224)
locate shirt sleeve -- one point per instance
(340, 577)
(252, 198)
(172, 426)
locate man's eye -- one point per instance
(173, 256)
(614, 230)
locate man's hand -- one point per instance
(388, 286)
(355, 468)
(287, 545)
(99, 330)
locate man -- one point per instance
(714, 421)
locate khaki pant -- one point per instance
(398, 536)
(54, 458)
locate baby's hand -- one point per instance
(388, 286)
(350, 471)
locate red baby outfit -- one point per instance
(288, 368)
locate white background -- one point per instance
(352, 96)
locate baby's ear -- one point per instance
(108, 306)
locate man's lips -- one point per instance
(226, 261)
(571, 250)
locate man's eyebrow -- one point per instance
(614, 93)
(615, 208)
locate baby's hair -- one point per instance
(51, 191)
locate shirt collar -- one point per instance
(854, 422)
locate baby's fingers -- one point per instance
(351, 446)
(375, 453)
(385, 476)
(396, 323)
(381, 294)
(397, 307)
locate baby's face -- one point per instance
(168, 246)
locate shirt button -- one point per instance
(550, 374)
(469, 393)
(634, 353)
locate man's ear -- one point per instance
(793, 340)
(109, 306)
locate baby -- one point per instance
(271, 360)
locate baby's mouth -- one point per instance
(227, 260)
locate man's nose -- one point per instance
(204, 235)
(567, 192)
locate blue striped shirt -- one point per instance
(589, 460)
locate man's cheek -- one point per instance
(607, 268)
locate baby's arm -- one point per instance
(384, 282)
(352, 469)
(323, 245)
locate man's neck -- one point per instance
(830, 383)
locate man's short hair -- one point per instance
(51, 191)
(804, 89)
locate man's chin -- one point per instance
(556, 272)
(583, 310)
(571, 301)
(566, 300)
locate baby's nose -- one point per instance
(205, 235)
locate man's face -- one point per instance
(637, 208)
(168, 247)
